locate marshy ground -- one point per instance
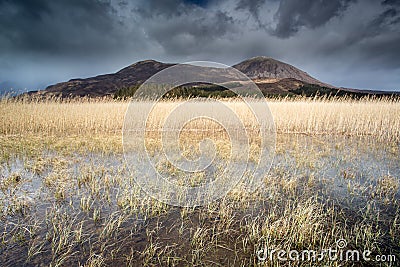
(68, 198)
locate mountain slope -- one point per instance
(271, 75)
(261, 68)
(108, 84)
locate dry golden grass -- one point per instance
(55, 117)
(369, 116)
(97, 216)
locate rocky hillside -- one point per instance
(107, 84)
(272, 76)
(261, 68)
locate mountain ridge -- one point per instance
(262, 67)
(107, 84)
(274, 77)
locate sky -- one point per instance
(346, 43)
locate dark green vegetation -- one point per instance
(311, 90)
(213, 91)
(216, 91)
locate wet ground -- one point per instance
(86, 209)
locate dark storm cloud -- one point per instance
(253, 6)
(46, 41)
(391, 15)
(186, 36)
(43, 42)
(381, 40)
(155, 8)
(372, 39)
(388, 17)
(391, 2)
(294, 14)
(87, 27)
(58, 27)
(182, 27)
(202, 3)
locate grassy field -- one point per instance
(68, 198)
(368, 116)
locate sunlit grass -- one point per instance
(368, 116)
(68, 198)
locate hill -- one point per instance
(107, 84)
(272, 76)
(265, 68)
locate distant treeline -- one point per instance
(215, 91)
(312, 90)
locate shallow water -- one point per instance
(94, 188)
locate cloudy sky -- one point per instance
(346, 43)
